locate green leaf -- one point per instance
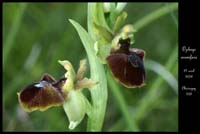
(87, 41)
(102, 32)
(164, 73)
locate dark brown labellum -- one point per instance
(127, 64)
(43, 94)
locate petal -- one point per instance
(85, 83)
(82, 69)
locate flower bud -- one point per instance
(120, 6)
(106, 7)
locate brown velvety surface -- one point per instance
(123, 70)
(43, 94)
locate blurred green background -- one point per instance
(37, 35)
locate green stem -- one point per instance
(99, 91)
(13, 31)
(155, 15)
(98, 94)
(122, 104)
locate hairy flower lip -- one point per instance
(127, 65)
(43, 94)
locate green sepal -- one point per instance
(70, 75)
(75, 108)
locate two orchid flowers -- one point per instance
(112, 47)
